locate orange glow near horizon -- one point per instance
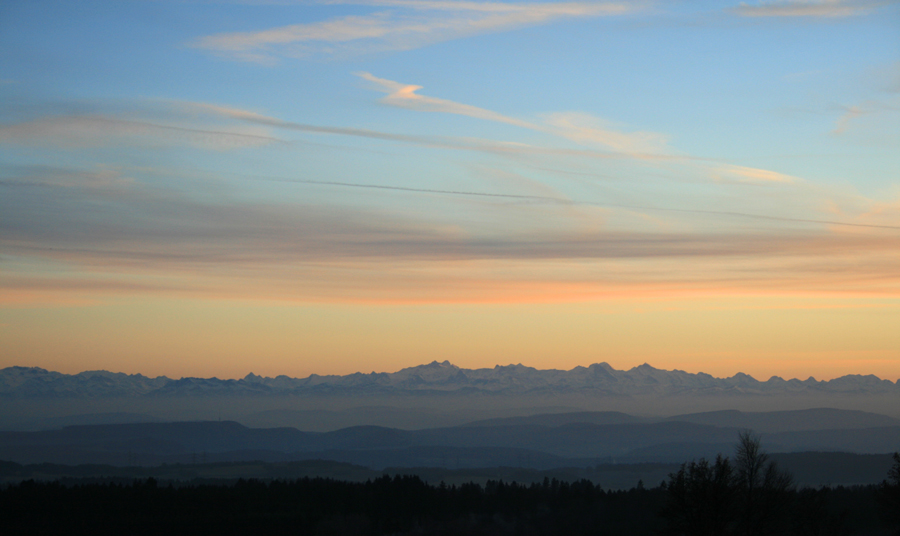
(763, 336)
(468, 282)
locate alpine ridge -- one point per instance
(599, 379)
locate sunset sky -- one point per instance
(210, 188)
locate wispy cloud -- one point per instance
(843, 122)
(809, 8)
(584, 129)
(214, 127)
(77, 131)
(875, 121)
(749, 174)
(601, 140)
(161, 124)
(106, 233)
(405, 96)
(589, 130)
(579, 127)
(221, 230)
(434, 141)
(410, 24)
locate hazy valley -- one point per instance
(442, 417)
(426, 396)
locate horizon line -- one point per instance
(448, 363)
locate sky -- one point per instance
(210, 188)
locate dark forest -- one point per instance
(715, 498)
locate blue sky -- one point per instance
(168, 155)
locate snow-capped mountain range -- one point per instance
(434, 378)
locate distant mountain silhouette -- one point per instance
(528, 445)
(434, 378)
(443, 395)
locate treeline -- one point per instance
(747, 495)
(404, 505)
(387, 505)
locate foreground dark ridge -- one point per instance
(747, 494)
(402, 505)
(24, 382)
(810, 469)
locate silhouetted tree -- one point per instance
(748, 497)
(764, 490)
(701, 498)
(890, 494)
